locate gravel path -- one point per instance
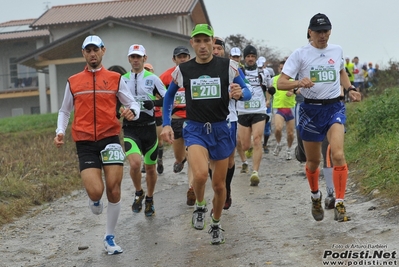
(268, 225)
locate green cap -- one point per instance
(202, 29)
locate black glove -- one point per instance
(148, 104)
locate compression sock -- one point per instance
(313, 179)
(113, 211)
(160, 152)
(328, 173)
(340, 176)
(229, 178)
(265, 139)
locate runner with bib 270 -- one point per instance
(209, 84)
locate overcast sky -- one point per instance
(366, 29)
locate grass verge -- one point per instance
(371, 143)
(33, 171)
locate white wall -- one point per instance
(117, 41)
(159, 48)
(26, 103)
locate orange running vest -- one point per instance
(94, 96)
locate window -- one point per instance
(20, 75)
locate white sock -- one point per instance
(113, 211)
(317, 195)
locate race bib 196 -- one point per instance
(323, 74)
(112, 153)
(205, 88)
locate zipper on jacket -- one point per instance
(94, 104)
(135, 83)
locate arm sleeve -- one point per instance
(65, 111)
(246, 93)
(235, 77)
(127, 99)
(168, 103)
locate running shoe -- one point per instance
(254, 178)
(340, 213)
(198, 220)
(216, 234)
(244, 168)
(277, 150)
(149, 208)
(96, 206)
(329, 202)
(190, 197)
(110, 246)
(138, 203)
(249, 152)
(288, 155)
(265, 149)
(317, 209)
(160, 166)
(178, 167)
(228, 202)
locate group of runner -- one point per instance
(211, 106)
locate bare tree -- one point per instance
(272, 56)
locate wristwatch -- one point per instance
(351, 88)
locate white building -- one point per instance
(38, 55)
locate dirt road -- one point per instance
(268, 225)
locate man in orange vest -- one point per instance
(92, 94)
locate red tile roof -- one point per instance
(118, 9)
(12, 23)
(23, 34)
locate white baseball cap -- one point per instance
(92, 40)
(260, 61)
(235, 51)
(136, 49)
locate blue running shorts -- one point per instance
(215, 137)
(315, 120)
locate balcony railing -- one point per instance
(13, 84)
